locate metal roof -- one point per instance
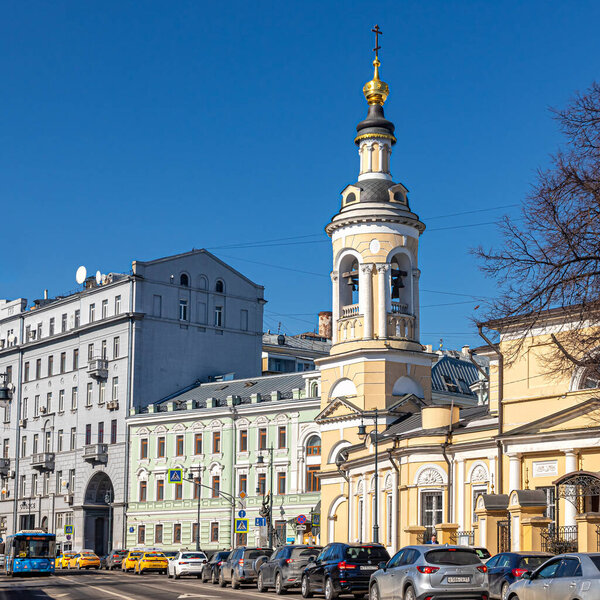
(449, 370)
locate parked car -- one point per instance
(284, 568)
(428, 571)
(242, 565)
(86, 559)
(483, 553)
(507, 567)
(342, 569)
(210, 570)
(151, 562)
(187, 563)
(62, 560)
(129, 562)
(565, 577)
(114, 559)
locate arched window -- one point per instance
(184, 280)
(313, 446)
(590, 379)
(219, 286)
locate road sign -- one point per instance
(316, 519)
(175, 475)
(260, 522)
(241, 525)
(69, 529)
(301, 519)
(243, 495)
(290, 540)
(300, 528)
(131, 530)
(68, 537)
(241, 514)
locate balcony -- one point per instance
(399, 309)
(351, 310)
(98, 368)
(95, 453)
(43, 461)
(4, 466)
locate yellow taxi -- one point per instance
(86, 559)
(62, 560)
(130, 561)
(153, 561)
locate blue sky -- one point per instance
(134, 130)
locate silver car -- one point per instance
(564, 577)
(431, 571)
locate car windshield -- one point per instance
(451, 556)
(134, 554)
(372, 553)
(196, 555)
(170, 554)
(119, 553)
(252, 554)
(88, 554)
(532, 562)
(305, 552)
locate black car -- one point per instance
(342, 569)
(210, 571)
(284, 569)
(241, 566)
(507, 567)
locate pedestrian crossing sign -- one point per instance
(175, 476)
(241, 525)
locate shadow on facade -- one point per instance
(96, 514)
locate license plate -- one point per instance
(368, 568)
(458, 579)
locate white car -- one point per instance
(187, 563)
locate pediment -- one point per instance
(338, 409)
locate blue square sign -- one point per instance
(175, 475)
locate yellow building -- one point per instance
(514, 473)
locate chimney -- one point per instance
(45, 294)
(465, 351)
(325, 317)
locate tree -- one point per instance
(548, 267)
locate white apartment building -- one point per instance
(79, 363)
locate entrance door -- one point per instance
(431, 512)
(99, 548)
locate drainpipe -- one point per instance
(449, 466)
(500, 478)
(129, 404)
(18, 433)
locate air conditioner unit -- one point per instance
(43, 410)
(68, 498)
(11, 474)
(22, 422)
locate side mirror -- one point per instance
(526, 575)
(382, 565)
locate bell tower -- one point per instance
(376, 358)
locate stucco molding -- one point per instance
(430, 475)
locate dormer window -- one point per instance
(449, 383)
(184, 280)
(219, 286)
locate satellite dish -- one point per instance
(98, 277)
(81, 274)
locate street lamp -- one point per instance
(260, 460)
(108, 498)
(362, 433)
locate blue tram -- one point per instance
(30, 552)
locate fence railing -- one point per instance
(559, 540)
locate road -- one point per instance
(114, 585)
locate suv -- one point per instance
(242, 565)
(284, 569)
(342, 569)
(431, 572)
(114, 559)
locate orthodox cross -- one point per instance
(377, 33)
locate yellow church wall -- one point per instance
(360, 242)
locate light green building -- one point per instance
(236, 439)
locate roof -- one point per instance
(449, 372)
(374, 190)
(296, 342)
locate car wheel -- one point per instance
(260, 584)
(177, 575)
(79, 567)
(504, 592)
(305, 588)
(409, 594)
(235, 584)
(140, 571)
(330, 593)
(222, 582)
(374, 592)
(279, 589)
(213, 578)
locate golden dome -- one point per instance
(376, 91)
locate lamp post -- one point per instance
(108, 499)
(362, 433)
(260, 461)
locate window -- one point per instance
(160, 447)
(103, 353)
(243, 440)
(143, 491)
(157, 305)
(23, 487)
(218, 316)
(214, 532)
(104, 309)
(39, 331)
(261, 488)
(59, 482)
(38, 368)
(75, 359)
(77, 319)
(115, 388)
(61, 401)
(73, 442)
(26, 373)
(101, 392)
(88, 434)
(177, 533)
(63, 362)
(34, 485)
(50, 366)
(144, 448)
(449, 383)
(389, 519)
(197, 488)
(51, 327)
(141, 537)
(71, 483)
(24, 408)
(116, 347)
(59, 521)
(243, 483)
(262, 438)
(24, 446)
(184, 280)
(89, 394)
(281, 483)
(216, 486)
(117, 305)
(158, 534)
(49, 402)
(183, 310)
(48, 441)
(476, 492)
(92, 313)
(36, 406)
(431, 511)
(63, 322)
(5, 444)
(74, 398)
(101, 432)
(216, 444)
(179, 445)
(313, 446)
(90, 351)
(244, 320)
(59, 440)
(113, 431)
(312, 481)
(219, 286)
(281, 437)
